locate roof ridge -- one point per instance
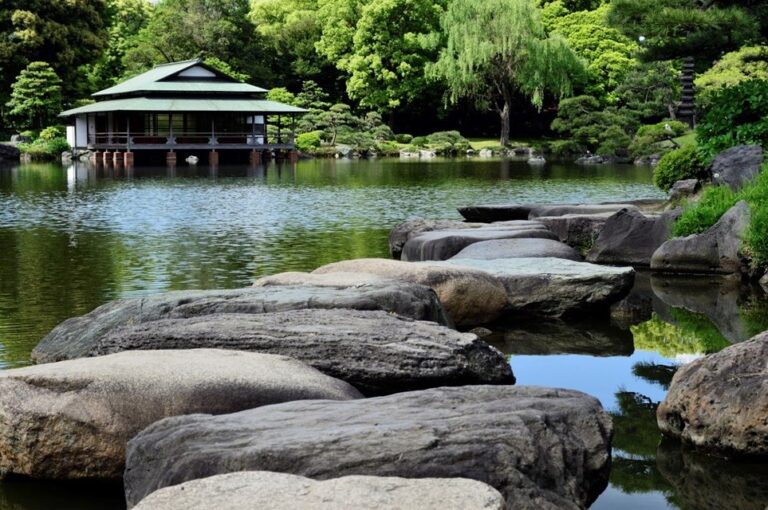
(196, 60)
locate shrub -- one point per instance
(614, 142)
(647, 137)
(403, 138)
(30, 133)
(566, 148)
(448, 141)
(683, 163)
(388, 148)
(697, 218)
(45, 150)
(52, 132)
(734, 116)
(420, 141)
(307, 142)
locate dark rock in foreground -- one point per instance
(375, 351)
(279, 491)
(577, 230)
(73, 419)
(720, 402)
(75, 337)
(718, 250)
(408, 229)
(518, 248)
(737, 166)
(492, 213)
(541, 448)
(9, 152)
(630, 237)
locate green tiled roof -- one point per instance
(151, 104)
(151, 81)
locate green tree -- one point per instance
(650, 91)
(748, 63)
(498, 48)
(389, 54)
(185, 29)
(64, 33)
(36, 96)
(338, 119)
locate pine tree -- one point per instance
(496, 49)
(36, 96)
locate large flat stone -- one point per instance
(553, 287)
(72, 419)
(578, 209)
(279, 491)
(720, 402)
(408, 229)
(541, 448)
(718, 250)
(375, 351)
(469, 296)
(444, 244)
(577, 230)
(518, 248)
(74, 337)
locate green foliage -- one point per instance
(52, 132)
(42, 149)
(497, 48)
(403, 138)
(748, 63)
(36, 96)
(420, 141)
(307, 142)
(650, 90)
(698, 217)
(690, 334)
(338, 119)
(387, 148)
(607, 52)
(592, 127)
(734, 116)
(680, 28)
(682, 163)
(648, 137)
(282, 95)
(227, 69)
(451, 141)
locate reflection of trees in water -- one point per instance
(655, 373)
(634, 424)
(691, 333)
(25, 494)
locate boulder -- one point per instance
(470, 297)
(75, 337)
(554, 287)
(631, 237)
(720, 402)
(684, 189)
(718, 250)
(9, 152)
(577, 230)
(444, 244)
(73, 419)
(280, 491)
(492, 213)
(576, 209)
(540, 447)
(404, 231)
(517, 248)
(737, 166)
(375, 351)
(590, 160)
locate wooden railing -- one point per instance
(207, 139)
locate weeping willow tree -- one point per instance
(497, 49)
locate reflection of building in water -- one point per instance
(179, 110)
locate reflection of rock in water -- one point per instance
(709, 483)
(721, 299)
(553, 336)
(25, 494)
(638, 306)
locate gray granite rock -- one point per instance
(684, 189)
(718, 250)
(577, 230)
(737, 166)
(280, 491)
(554, 287)
(470, 297)
(73, 419)
(720, 402)
(444, 244)
(518, 248)
(580, 209)
(74, 337)
(375, 351)
(631, 237)
(541, 448)
(406, 230)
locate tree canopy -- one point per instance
(498, 48)
(36, 96)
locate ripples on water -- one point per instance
(74, 238)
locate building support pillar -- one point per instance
(117, 158)
(170, 158)
(107, 157)
(96, 157)
(128, 159)
(255, 157)
(213, 158)
(293, 156)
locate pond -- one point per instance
(73, 238)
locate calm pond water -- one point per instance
(72, 238)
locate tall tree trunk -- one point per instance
(686, 112)
(504, 114)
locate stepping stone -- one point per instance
(518, 248)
